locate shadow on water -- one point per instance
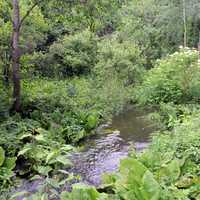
(103, 152)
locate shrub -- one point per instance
(121, 59)
(175, 79)
(77, 106)
(71, 55)
(174, 159)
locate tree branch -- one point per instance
(28, 13)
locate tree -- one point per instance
(91, 12)
(16, 55)
(184, 24)
(159, 27)
(17, 24)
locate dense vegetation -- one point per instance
(67, 66)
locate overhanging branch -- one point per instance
(28, 13)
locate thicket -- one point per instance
(60, 112)
(173, 79)
(72, 55)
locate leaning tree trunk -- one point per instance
(16, 56)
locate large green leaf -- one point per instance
(66, 148)
(174, 169)
(131, 165)
(92, 121)
(24, 150)
(2, 156)
(41, 131)
(83, 192)
(171, 171)
(10, 163)
(64, 160)
(151, 188)
(52, 155)
(5, 173)
(44, 170)
(40, 138)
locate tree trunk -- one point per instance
(16, 56)
(184, 24)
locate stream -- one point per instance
(103, 151)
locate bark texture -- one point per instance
(16, 56)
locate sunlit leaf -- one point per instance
(2, 156)
(10, 163)
(64, 160)
(24, 151)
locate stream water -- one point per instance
(103, 152)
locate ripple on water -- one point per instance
(103, 152)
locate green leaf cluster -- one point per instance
(173, 79)
(7, 165)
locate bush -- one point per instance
(71, 55)
(174, 159)
(174, 79)
(121, 59)
(169, 114)
(77, 106)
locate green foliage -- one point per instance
(39, 149)
(121, 59)
(174, 159)
(53, 117)
(52, 185)
(5, 102)
(157, 26)
(140, 23)
(79, 104)
(167, 170)
(62, 39)
(35, 28)
(99, 16)
(174, 79)
(136, 181)
(33, 33)
(169, 114)
(7, 164)
(43, 152)
(2, 156)
(71, 55)
(83, 192)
